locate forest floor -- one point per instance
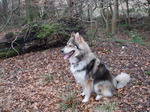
(42, 82)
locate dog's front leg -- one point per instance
(83, 90)
(87, 91)
(87, 95)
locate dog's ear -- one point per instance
(72, 38)
(73, 34)
(78, 38)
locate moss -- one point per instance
(2, 45)
(9, 35)
(148, 73)
(47, 30)
(5, 53)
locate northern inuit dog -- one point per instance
(89, 71)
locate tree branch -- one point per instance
(10, 17)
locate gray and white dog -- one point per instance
(89, 71)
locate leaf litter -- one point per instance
(37, 81)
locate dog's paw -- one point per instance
(98, 97)
(82, 94)
(85, 100)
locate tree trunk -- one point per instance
(18, 11)
(80, 10)
(31, 11)
(105, 14)
(111, 9)
(148, 1)
(70, 7)
(127, 6)
(107, 17)
(5, 8)
(107, 20)
(91, 16)
(28, 13)
(114, 19)
(88, 11)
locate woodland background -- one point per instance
(33, 74)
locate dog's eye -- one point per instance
(70, 45)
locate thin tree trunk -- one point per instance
(127, 6)
(91, 16)
(107, 20)
(81, 10)
(114, 19)
(28, 17)
(70, 7)
(31, 11)
(107, 17)
(5, 8)
(148, 1)
(88, 11)
(105, 14)
(18, 11)
(111, 9)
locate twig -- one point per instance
(11, 13)
(12, 43)
(6, 23)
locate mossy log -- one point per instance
(37, 37)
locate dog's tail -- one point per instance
(121, 80)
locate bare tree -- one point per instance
(5, 9)
(127, 6)
(148, 1)
(114, 18)
(31, 10)
(105, 12)
(71, 4)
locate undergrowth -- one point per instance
(147, 73)
(68, 102)
(107, 107)
(136, 37)
(46, 78)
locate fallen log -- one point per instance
(37, 36)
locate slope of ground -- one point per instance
(42, 82)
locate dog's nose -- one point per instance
(62, 51)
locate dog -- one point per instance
(89, 71)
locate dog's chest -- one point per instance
(78, 73)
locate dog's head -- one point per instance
(76, 47)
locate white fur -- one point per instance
(123, 79)
(82, 94)
(86, 99)
(80, 76)
(106, 92)
(87, 95)
(98, 97)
